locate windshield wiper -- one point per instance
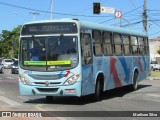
(34, 39)
(60, 37)
(58, 41)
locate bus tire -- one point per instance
(98, 89)
(135, 81)
(49, 98)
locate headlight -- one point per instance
(24, 80)
(72, 80)
(13, 66)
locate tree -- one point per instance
(158, 51)
(9, 45)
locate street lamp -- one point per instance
(34, 15)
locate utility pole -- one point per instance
(51, 9)
(34, 15)
(144, 17)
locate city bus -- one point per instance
(69, 57)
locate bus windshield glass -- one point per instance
(49, 53)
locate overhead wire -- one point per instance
(154, 33)
(123, 15)
(67, 14)
(135, 7)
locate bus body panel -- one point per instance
(118, 71)
(60, 90)
(88, 85)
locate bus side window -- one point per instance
(86, 49)
(134, 44)
(107, 43)
(126, 43)
(146, 46)
(96, 34)
(117, 44)
(141, 45)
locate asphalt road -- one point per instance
(146, 98)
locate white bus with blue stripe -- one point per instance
(69, 57)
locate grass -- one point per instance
(155, 73)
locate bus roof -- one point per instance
(96, 26)
(112, 29)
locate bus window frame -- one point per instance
(82, 49)
(120, 44)
(141, 46)
(133, 45)
(105, 43)
(128, 44)
(146, 46)
(95, 42)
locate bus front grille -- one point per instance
(47, 89)
(47, 77)
(44, 84)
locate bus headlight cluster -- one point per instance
(72, 80)
(24, 80)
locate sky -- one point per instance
(18, 12)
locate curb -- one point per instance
(152, 78)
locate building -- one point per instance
(154, 45)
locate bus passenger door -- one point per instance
(87, 67)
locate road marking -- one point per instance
(9, 101)
(11, 81)
(153, 100)
(10, 78)
(39, 108)
(24, 98)
(153, 95)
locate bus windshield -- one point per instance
(49, 53)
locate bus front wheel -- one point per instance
(98, 90)
(135, 81)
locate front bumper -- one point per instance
(15, 70)
(50, 91)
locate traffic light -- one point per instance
(96, 8)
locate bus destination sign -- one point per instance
(49, 28)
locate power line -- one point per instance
(139, 22)
(144, 14)
(153, 21)
(132, 19)
(154, 33)
(67, 14)
(134, 6)
(123, 15)
(152, 10)
(132, 23)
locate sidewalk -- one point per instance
(153, 78)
